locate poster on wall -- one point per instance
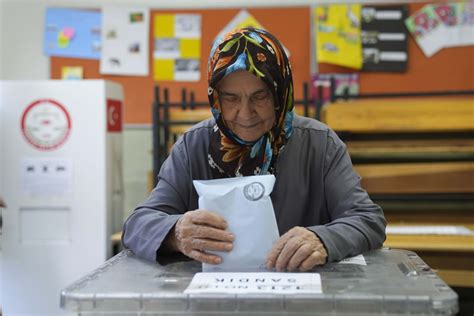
(72, 73)
(338, 35)
(458, 20)
(435, 27)
(448, 14)
(241, 20)
(124, 41)
(177, 47)
(327, 87)
(384, 38)
(428, 30)
(465, 26)
(72, 33)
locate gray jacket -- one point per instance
(315, 187)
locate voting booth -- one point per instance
(382, 282)
(61, 179)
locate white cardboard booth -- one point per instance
(61, 178)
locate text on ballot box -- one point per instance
(255, 282)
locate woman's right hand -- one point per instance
(198, 231)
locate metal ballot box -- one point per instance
(393, 282)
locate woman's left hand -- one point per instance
(299, 249)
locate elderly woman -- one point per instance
(322, 212)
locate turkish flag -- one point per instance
(114, 116)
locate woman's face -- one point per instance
(246, 104)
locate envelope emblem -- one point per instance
(254, 191)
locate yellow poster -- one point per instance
(249, 21)
(241, 20)
(338, 35)
(177, 47)
(71, 73)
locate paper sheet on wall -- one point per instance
(344, 86)
(244, 19)
(442, 26)
(177, 47)
(465, 26)
(72, 73)
(338, 35)
(124, 41)
(428, 30)
(72, 33)
(458, 19)
(255, 283)
(46, 177)
(448, 15)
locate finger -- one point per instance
(299, 256)
(205, 257)
(316, 258)
(287, 252)
(276, 249)
(208, 244)
(204, 217)
(198, 231)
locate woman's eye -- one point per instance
(231, 99)
(260, 96)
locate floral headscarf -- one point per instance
(261, 54)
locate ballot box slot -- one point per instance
(406, 270)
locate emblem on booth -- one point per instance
(46, 124)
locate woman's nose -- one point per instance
(246, 109)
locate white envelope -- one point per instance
(246, 205)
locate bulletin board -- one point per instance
(449, 69)
(139, 90)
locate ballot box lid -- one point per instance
(393, 281)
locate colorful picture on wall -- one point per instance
(177, 47)
(338, 35)
(327, 87)
(72, 73)
(428, 30)
(72, 33)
